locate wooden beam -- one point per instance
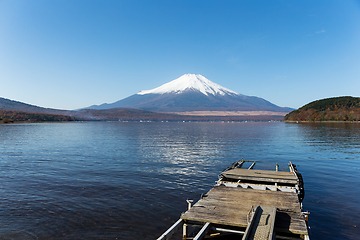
(261, 225)
(251, 223)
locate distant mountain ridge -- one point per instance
(14, 111)
(193, 96)
(7, 104)
(192, 92)
(19, 111)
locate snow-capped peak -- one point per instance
(190, 82)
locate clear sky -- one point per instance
(73, 54)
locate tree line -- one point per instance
(330, 109)
(8, 116)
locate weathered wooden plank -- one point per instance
(245, 205)
(285, 201)
(251, 224)
(285, 222)
(260, 175)
(230, 206)
(251, 197)
(294, 221)
(261, 226)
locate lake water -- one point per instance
(114, 180)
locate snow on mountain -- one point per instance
(192, 92)
(187, 82)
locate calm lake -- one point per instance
(118, 180)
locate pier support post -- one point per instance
(189, 203)
(185, 226)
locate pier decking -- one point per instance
(261, 176)
(257, 204)
(231, 206)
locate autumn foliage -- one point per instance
(7, 116)
(330, 109)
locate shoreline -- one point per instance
(15, 122)
(288, 121)
(228, 113)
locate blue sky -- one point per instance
(73, 54)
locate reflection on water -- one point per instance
(333, 170)
(112, 180)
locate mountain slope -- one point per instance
(193, 92)
(15, 111)
(19, 111)
(7, 104)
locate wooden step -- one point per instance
(261, 225)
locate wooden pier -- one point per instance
(255, 204)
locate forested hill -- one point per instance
(7, 116)
(11, 105)
(329, 109)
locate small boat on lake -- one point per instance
(249, 204)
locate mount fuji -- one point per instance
(192, 92)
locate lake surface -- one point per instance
(114, 180)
